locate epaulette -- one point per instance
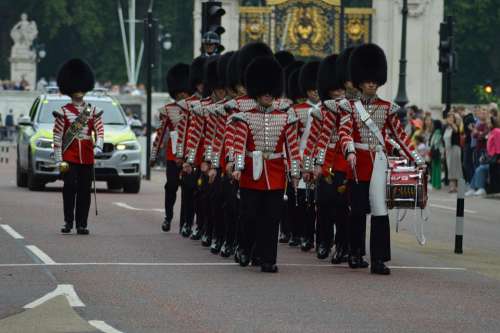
(230, 105)
(197, 108)
(292, 116)
(394, 108)
(182, 104)
(238, 116)
(316, 113)
(331, 105)
(345, 105)
(282, 104)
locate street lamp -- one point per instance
(40, 54)
(402, 98)
(164, 43)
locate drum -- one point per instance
(406, 186)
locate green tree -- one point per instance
(478, 45)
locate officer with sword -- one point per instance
(74, 145)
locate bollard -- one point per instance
(459, 227)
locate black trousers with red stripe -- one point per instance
(260, 216)
(76, 194)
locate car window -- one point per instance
(33, 109)
(112, 113)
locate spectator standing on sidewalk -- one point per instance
(436, 148)
(478, 183)
(479, 133)
(9, 125)
(453, 150)
(2, 135)
(469, 120)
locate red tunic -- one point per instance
(354, 132)
(273, 132)
(81, 150)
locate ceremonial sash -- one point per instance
(75, 128)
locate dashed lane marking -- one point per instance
(103, 327)
(201, 264)
(8, 229)
(66, 290)
(42, 256)
(127, 206)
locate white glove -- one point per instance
(97, 151)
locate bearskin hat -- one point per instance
(232, 72)
(293, 91)
(196, 72)
(264, 75)
(308, 77)
(248, 53)
(327, 77)
(368, 63)
(342, 70)
(222, 65)
(75, 76)
(210, 79)
(178, 79)
(285, 58)
(289, 70)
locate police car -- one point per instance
(118, 165)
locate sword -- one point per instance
(354, 173)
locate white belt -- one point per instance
(366, 146)
(266, 156)
(332, 145)
(84, 137)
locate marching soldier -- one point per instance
(189, 181)
(302, 215)
(262, 136)
(365, 127)
(285, 58)
(173, 120)
(74, 146)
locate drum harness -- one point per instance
(368, 122)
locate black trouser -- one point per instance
(171, 187)
(333, 210)
(216, 227)
(76, 194)
(285, 226)
(380, 236)
(201, 200)
(231, 209)
(260, 216)
(301, 214)
(188, 185)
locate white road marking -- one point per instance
(127, 206)
(468, 211)
(201, 264)
(66, 290)
(41, 255)
(8, 229)
(103, 327)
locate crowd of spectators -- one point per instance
(465, 145)
(7, 126)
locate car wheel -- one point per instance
(114, 185)
(132, 185)
(34, 184)
(21, 178)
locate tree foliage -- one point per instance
(478, 45)
(90, 29)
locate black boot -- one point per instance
(356, 260)
(339, 256)
(215, 247)
(66, 229)
(165, 227)
(196, 233)
(323, 251)
(243, 258)
(294, 241)
(379, 267)
(269, 268)
(82, 231)
(185, 231)
(306, 245)
(206, 240)
(284, 238)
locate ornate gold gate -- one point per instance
(305, 27)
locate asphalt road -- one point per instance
(135, 278)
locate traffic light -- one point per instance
(212, 13)
(448, 60)
(488, 88)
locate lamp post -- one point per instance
(40, 54)
(402, 98)
(164, 43)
